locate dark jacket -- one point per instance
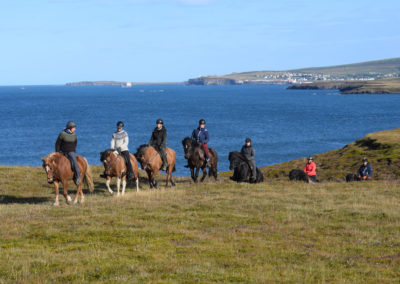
(248, 152)
(365, 171)
(201, 135)
(66, 142)
(159, 137)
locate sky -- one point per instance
(59, 41)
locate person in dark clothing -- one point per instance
(365, 171)
(200, 134)
(158, 140)
(66, 144)
(249, 152)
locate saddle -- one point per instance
(71, 162)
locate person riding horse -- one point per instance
(249, 152)
(119, 143)
(66, 144)
(158, 140)
(200, 135)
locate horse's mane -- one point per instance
(191, 141)
(104, 155)
(140, 151)
(237, 156)
(52, 156)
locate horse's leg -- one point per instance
(78, 190)
(108, 185)
(153, 178)
(137, 184)
(56, 185)
(149, 177)
(67, 197)
(192, 173)
(170, 177)
(118, 185)
(196, 175)
(204, 174)
(123, 184)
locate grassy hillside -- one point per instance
(277, 231)
(381, 148)
(386, 66)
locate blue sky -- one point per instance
(59, 41)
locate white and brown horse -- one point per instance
(58, 169)
(151, 162)
(114, 166)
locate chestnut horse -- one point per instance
(196, 159)
(114, 166)
(58, 169)
(151, 162)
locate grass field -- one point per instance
(215, 232)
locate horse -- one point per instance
(114, 166)
(195, 155)
(58, 169)
(352, 177)
(297, 174)
(241, 169)
(150, 161)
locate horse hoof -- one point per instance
(69, 199)
(56, 204)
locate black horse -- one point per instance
(195, 155)
(241, 168)
(298, 175)
(352, 177)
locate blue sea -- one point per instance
(283, 124)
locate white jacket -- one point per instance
(120, 140)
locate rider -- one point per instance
(119, 142)
(66, 144)
(310, 169)
(365, 171)
(249, 152)
(158, 140)
(200, 134)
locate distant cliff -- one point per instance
(96, 83)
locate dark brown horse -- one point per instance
(151, 162)
(196, 159)
(58, 169)
(114, 166)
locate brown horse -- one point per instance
(197, 160)
(58, 169)
(151, 162)
(114, 166)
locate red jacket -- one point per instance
(311, 169)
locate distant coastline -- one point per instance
(119, 83)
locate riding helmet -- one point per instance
(365, 160)
(248, 140)
(70, 125)
(120, 124)
(202, 121)
(159, 121)
(310, 158)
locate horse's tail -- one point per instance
(88, 178)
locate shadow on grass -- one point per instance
(9, 199)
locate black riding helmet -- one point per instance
(120, 124)
(202, 121)
(310, 158)
(365, 160)
(248, 140)
(70, 125)
(159, 121)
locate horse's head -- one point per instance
(107, 158)
(49, 165)
(234, 160)
(140, 154)
(187, 146)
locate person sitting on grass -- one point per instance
(365, 171)
(310, 170)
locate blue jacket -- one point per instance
(365, 171)
(201, 135)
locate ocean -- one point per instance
(283, 124)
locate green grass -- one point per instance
(215, 232)
(277, 231)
